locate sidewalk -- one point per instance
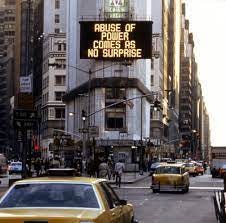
(131, 177)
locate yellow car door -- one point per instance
(114, 213)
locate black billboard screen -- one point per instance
(116, 40)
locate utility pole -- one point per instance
(141, 136)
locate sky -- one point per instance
(208, 24)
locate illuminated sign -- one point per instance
(116, 40)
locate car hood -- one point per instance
(49, 215)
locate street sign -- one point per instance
(93, 131)
(25, 119)
(19, 124)
(25, 115)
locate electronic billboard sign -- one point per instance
(118, 40)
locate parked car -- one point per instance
(15, 167)
(170, 177)
(64, 199)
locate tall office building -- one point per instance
(50, 69)
(159, 133)
(175, 16)
(122, 128)
(7, 38)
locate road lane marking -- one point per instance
(191, 188)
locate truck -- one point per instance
(218, 160)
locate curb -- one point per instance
(130, 182)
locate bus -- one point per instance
(3, 165)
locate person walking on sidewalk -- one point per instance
(103, 169)
(119, 169)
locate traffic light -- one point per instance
(83, 115)
(157, 105)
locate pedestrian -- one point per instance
(119, 169)
(111, 168)
(205, 166)
(103, 169)
(37, 166)
(90, 168)
(46, 165)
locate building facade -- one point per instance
(121, 127)
(7, 39)
(49, 69)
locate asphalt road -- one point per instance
(195, 206)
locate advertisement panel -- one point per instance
(118, 40)
(25, 84)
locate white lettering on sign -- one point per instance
(115, 41)
(25, 84)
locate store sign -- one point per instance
(116, 40)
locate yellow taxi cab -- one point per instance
(64, 199)
(191, 168)
(170, 177)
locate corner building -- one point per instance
(123, 129)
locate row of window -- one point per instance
(9, 26)
(60, 80)
(10, 33)
(10, 18)
(61, 46)
(58, 96)
(57, 113)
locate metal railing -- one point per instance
(219, 206)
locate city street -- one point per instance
(195, 206)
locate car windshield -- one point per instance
(168, 170)
(154, 165)
(51, 195)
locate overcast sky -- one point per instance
(208, 23)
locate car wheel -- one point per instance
(186, 190)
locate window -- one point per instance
(60, 63)
(64, 46)
(152, 80)
(115, 93)
(115, 120)
(57, 18)
(115, 116)
(59, 95)
(60, 80)
(60, 113)
(59, 47)
(57, 31)
(57, 4)
(152, 64)
(110, 195)
(51, 195)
